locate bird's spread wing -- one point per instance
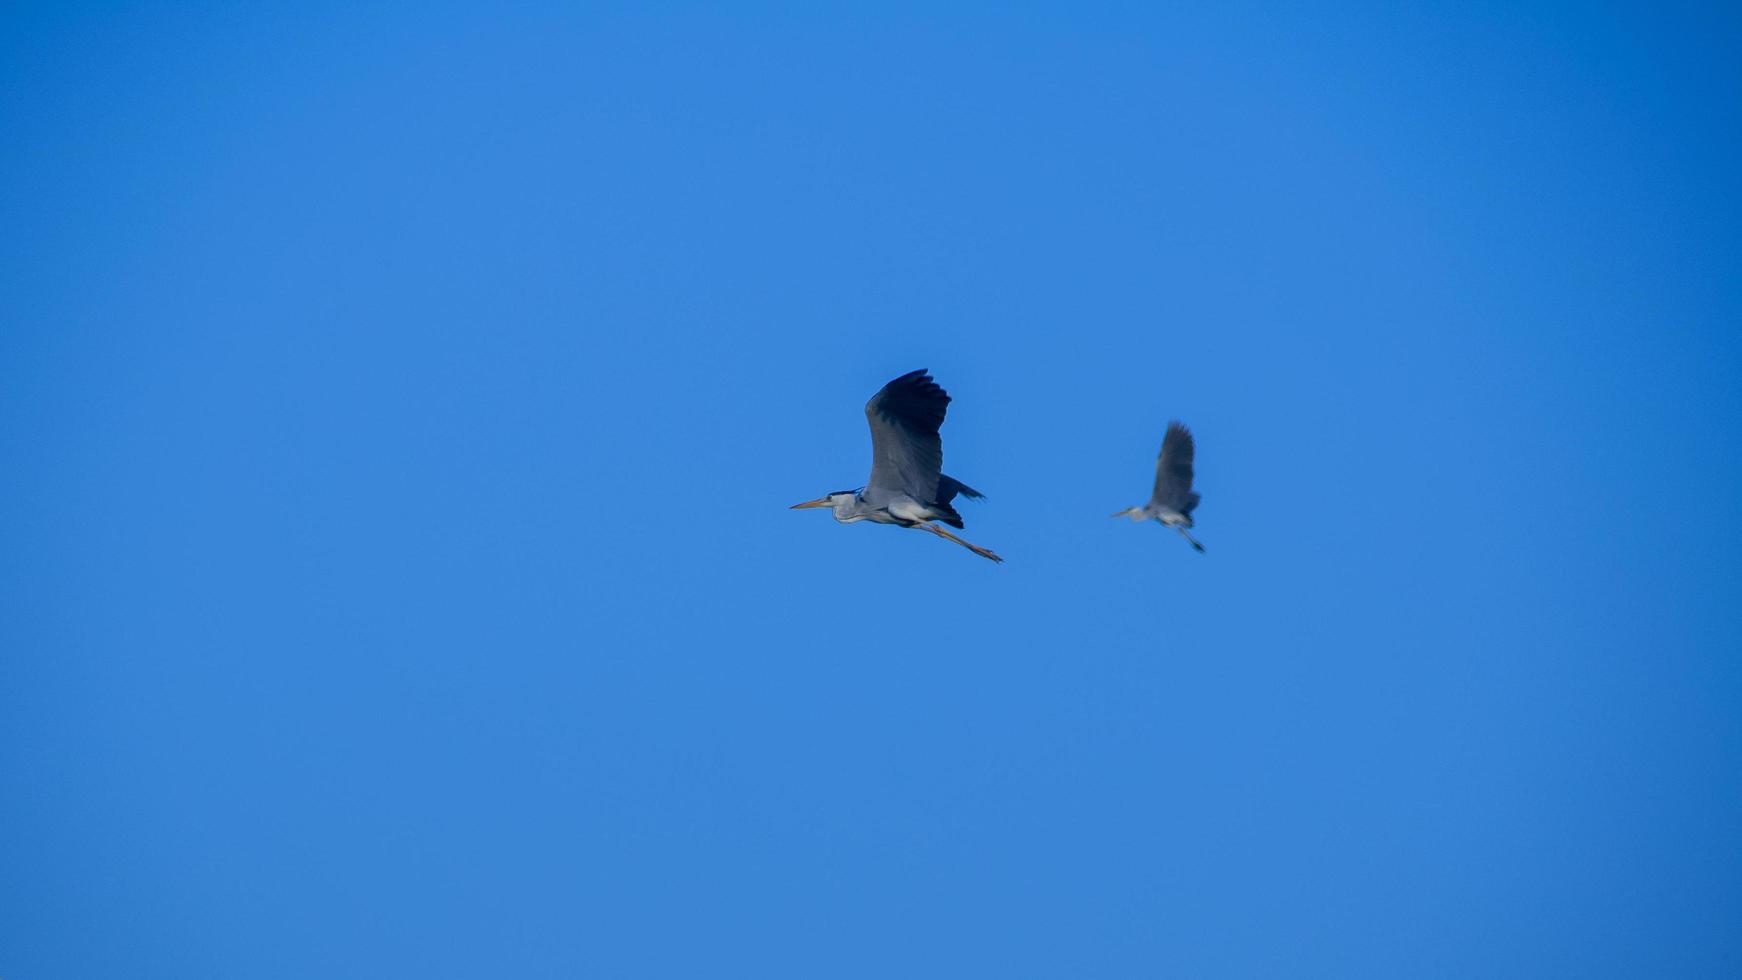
(907, 455)
(1173, 471)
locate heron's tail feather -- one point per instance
(949, 486)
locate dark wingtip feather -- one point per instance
(914, 400)
(1178, 435)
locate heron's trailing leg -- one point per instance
(976, 549)
(1187, 535)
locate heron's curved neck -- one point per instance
(848, 507)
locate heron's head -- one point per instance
(836, 500)
(1135, 513)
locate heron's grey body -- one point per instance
(1172, 501)
(907, 485)
(897, 507)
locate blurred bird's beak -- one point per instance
(1124, 513)
(819, 502)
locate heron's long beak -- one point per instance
(1124, 513)
(819, 502)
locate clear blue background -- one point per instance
(399, 412)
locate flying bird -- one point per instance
(907, 486)
(1173, 501)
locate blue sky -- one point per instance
(399, 411)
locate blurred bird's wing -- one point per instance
(907, 454)
(1173, 471)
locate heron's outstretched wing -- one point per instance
(1173, 471)
(907, 455)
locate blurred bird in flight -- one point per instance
(1173, 501)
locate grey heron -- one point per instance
(907, 486)
(1173, 501)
